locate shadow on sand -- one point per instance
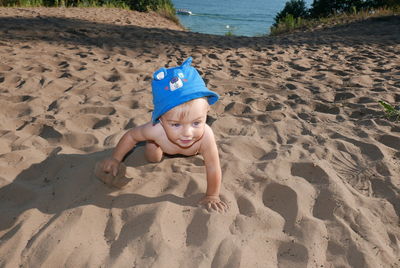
(86, 33)
(55, 185)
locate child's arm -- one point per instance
(209, 151)
(125, 144)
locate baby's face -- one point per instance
(186, 130)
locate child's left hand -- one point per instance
(212, 202)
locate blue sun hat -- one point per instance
(174, 86)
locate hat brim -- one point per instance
(212, 97)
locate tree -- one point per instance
(324, 8)
(296, 8)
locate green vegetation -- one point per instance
(164, 7)
(64, 3)
(296, 16)
(293, 10)
(390, 111)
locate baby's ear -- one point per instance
(187, 62)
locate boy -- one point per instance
(181, 102)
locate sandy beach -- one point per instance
(310, 164)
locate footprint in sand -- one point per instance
(173, 224)
(325, 205)
(237, 108)
(390, 141)
(283, 200)
(197, 231)
(131, 123)
(134, 104)
(301, 66)
(246, 206)
(5, 68)
(102, 123)
(297, 99)
(343, 96)
(81, 141)
(290, 86)
(395, 129)
(16, 99)
(192, 188)
(113, 226)
(372, 152)
(366, 100)
(111, 140)
(310, 172)
(227, 255)
(98, 110)
(52, 106)
(65, 75)
(63, 64)
(269, 156)
(323, 108)
(292, 254)
(353, 255)
(114, 77)
(244, 148)
(82, 122)
(273, 105)
(132, 229)
(49, 133)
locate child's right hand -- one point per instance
(213, 202)
(111, 165)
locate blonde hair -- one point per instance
(183, 109)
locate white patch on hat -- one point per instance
(175, 83)
(160, 75)
(181, 75)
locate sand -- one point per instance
(310, 164)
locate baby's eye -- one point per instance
(175, 125)
(197, 123)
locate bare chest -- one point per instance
(169, 147)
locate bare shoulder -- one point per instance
(208, 133)
(208, 140)
(147, 131)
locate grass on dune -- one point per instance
(163, 7)
(391, 112)
(291, 24)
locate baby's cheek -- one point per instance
(201, 131)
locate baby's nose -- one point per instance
(187, 131)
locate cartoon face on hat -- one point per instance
(174, 86)
(175, 83)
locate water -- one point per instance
(238, 17)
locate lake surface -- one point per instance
(239, 17)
